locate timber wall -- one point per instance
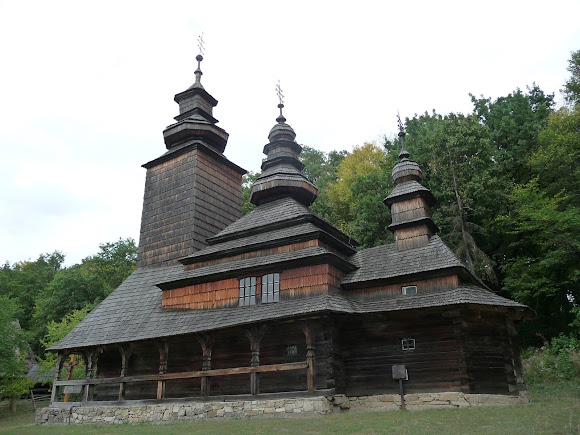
(231, 349)
(187, 199)
(294, 283)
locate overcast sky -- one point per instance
(86, 89)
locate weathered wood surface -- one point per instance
(177, 218)
(294, 283)
(423, 286)
(185, 375)
(409, 209)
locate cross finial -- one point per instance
(281, 105)
(404, 154)
(200, 43)
(279, 93)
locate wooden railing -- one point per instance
(161, 378)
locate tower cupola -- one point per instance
(282, 170)
(410, 202)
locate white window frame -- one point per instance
(405, 289)
(407, 344)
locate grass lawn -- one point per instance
(555, 409)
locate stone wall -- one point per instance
(290, 407)
(387, 402)
(172, 412)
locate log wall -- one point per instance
(231, 349)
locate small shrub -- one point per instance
(559, 362)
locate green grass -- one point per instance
(555, 409)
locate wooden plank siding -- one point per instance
(410, 209)
(424, 286)
(187, 199)
(294, 283)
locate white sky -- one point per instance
(86, 89)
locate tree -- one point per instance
(514, 122)
(354, 202)
(247, 182)
(84, 284)
(455, 154)
(571, 89)
(13, 349)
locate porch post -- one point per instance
(91, 355)
(255, 335)
(206, 342)
(59, 364)
(163, 352)
(310, 371)
(126, 350)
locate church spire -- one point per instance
(195, 120)
(410, 202)
(282, 171)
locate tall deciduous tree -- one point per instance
(571, 89)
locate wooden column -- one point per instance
(206, 342)
(163, 353)
(310, 371)
(516, 357)
(126, 350)
(255, 335)
(59, 364)
(91, 356)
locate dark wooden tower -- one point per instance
(193, 191)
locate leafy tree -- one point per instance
(571, 89)
(84, 284)
(56, 331)
(514, 122)
(13, 349)
(25, 280)
(354, 202)
(247, 182)
(455, 154)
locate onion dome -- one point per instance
(282, 171)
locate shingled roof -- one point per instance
(134, 312)
(385, 261)
(277, 214)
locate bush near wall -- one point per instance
(555, 363)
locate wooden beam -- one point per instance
(91, 356)
(255, 335)
(310, 371)
(186, 375)
(163, 353)
(59, 364)
(206, 341)
(126, 351)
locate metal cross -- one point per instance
(400, 123)
(279, 93)
(200, 44)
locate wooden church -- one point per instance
(279, 301)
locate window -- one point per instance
(250, 287)
(291, 350)
(247, 291)
(409, 290)
(408, 343)
(270, 288)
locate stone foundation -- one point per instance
(289, 407)
(389, 402)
